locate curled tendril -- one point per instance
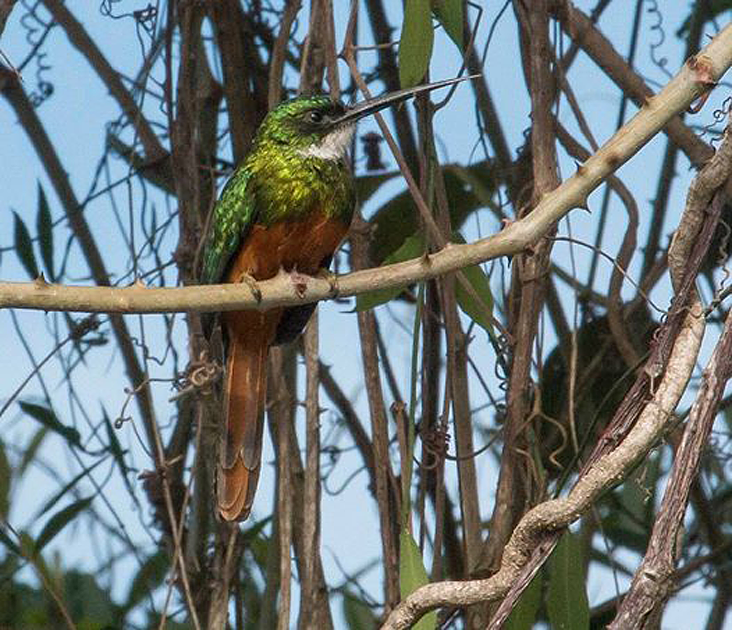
(657, 28)
(200, 375)
(36, 30)
(436, 442)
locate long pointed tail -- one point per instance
(250, 334)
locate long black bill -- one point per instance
(364, 108)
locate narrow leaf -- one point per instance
(412, 247)
(567, 604)
(450, 14)
(523, 615)
(44, 227)
(6, 476)
(116, 449)
(479, 305)
(24, 246)
(149, 576)
(8, 542)
(415, 44)
(62, 492)
(468, 188)
(48, 419)
(412, 575)
(60, 520)
(357, 613)
(30, 451)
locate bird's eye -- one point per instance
(316, 116)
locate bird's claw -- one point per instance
(251, 282)
(331, 279)
(299, 282)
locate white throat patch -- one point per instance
(333, 146)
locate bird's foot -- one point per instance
(251, 282)
(299, 282)
(331, 279)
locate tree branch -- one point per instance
(694, 79)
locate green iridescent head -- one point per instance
(317, 126)
(309, 125)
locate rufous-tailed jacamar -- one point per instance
(287, 206)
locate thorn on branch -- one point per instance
(584, 205)
(704, 71)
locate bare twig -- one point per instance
(311, 502)
(6, 7)
(388, 514)
(536, 535)
(280, 415)
(536, 527)
(516, 490)
(85, 45)
(28, 117)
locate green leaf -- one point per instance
(450, 14)
(523, 615)
(367, 185)
(91, 604)
(117, 453)
(628, 511)
(6, 476)
(478, 309)
(357, 613)
(62, 492)
(149, 576)
(48, 419)
(412, 575)
(44, 227)
(412, 247)
(567, 604)
(476, 183)
(24, 246)
(60, 520)
(415, 44)
(479, 305)
(8, 542)
(30, 451)
(468, 188)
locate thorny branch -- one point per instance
(688, 85)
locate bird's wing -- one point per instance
(233, 215)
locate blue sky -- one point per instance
(75, 117)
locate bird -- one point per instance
(286, 207)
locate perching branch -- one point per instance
(695, 78)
